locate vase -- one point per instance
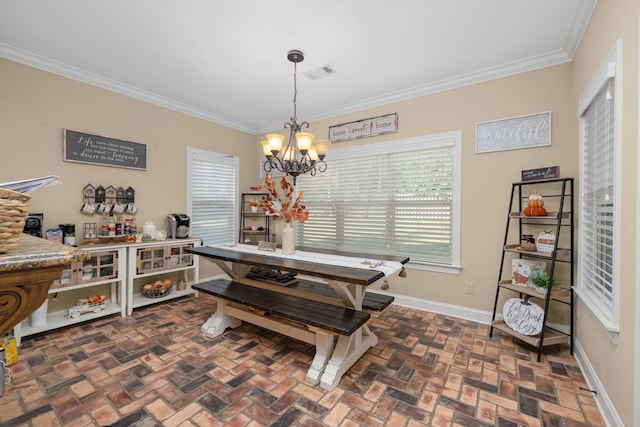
(254, 209)
(288, 240)
(540, 289)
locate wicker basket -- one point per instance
(14, 208)
(158, 292)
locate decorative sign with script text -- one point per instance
(83, 147)
(523, 316)
(514, 133)
(364, 128)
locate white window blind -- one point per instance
(598, 219)
(394, 198)
(213, 189)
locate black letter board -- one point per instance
(101, 150)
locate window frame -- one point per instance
(451, 139)
(215, 159)
(611, 68)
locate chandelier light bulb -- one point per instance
(275, 142)
(289, 154)
(266, 148)
(322, 147)
(304, 141)
(312, 153)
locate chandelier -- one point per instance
(303, 156)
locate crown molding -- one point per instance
(102, 82)
(492, 73)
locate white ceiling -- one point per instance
(225, 60)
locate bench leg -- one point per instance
(220, 320)
(347, 352)
(324, 348)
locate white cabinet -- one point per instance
(102, 273)
(151, 261)
(118, 270)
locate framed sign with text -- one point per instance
(514, 133)
(83, 147)
(364, 128)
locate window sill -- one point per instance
(610, 328)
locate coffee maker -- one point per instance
(33, 224)
(68, 234)
(177, 226)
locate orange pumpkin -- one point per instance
(538, 203)
(535, 205)
(535, 211)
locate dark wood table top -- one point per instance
(358, 276)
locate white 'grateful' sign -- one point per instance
(523, 316)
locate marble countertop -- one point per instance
(34, 252)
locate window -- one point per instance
(212, 186)
(599, 113)
(396, 197)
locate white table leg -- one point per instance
(347, 352)
(324, 349)
(350, 294)
(349, 349)
(220, 320)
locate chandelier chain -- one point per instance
(295, 92)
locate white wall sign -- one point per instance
(364, 128)
(513, 133)
(523, 316)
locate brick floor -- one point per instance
(156, 368)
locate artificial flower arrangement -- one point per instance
(289, 207)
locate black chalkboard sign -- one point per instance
(83, 147)
(550, 172)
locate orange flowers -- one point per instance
(289, 208)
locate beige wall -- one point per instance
(35, 106)
(614, 362)
(487, 177)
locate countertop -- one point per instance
(36, 253)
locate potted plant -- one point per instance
(253, 204)
(541, 282)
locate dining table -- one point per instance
(348, 274)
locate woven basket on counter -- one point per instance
(14, 209)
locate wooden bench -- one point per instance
(372, 301)
(313, 322)
(340, 320)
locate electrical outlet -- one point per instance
(468, 287)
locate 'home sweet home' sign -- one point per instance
(364, 128)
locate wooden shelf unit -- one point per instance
(560, 221)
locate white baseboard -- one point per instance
(607, 410)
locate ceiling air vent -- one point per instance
(320, 72)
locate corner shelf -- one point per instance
(562, 219)
(253, 219)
